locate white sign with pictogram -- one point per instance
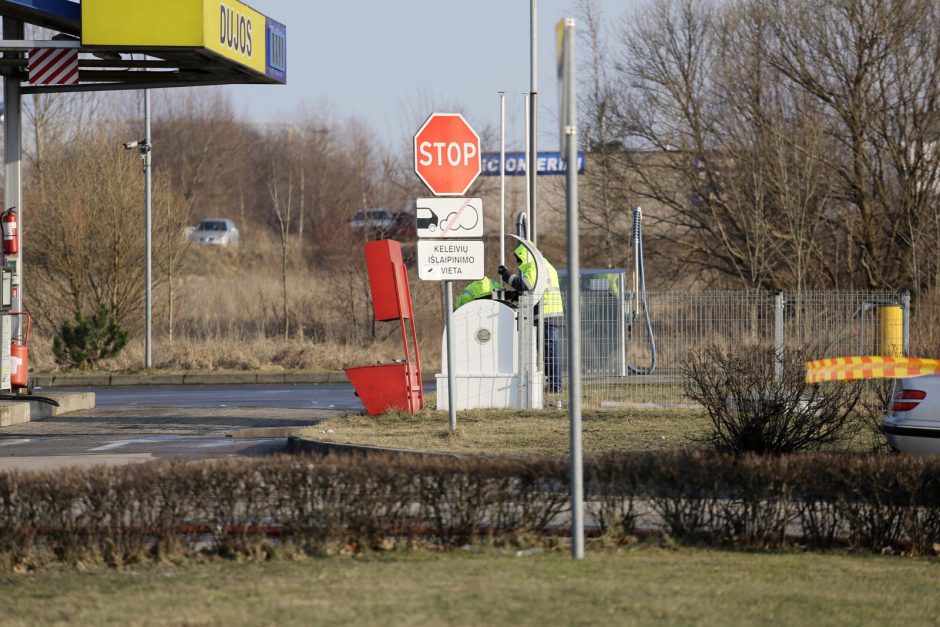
(450, 217)
(450, 260)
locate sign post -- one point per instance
(447, 160)
(569, 146)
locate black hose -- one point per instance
(29, 397)
(638, 242)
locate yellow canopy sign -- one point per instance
(228, 28)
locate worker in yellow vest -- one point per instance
(552, 311)
(483, 288)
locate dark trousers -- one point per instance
(552, 356)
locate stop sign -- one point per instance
(447, 154)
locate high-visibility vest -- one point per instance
(613, 283)
(483, 288)
(552, 306)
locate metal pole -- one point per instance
(637, 217)
(778, 336)
(448, 311)
(906, 323)
(148, 190)
(574, 292)
(12, 160)
(532, 162)
(528, 168)
(502, 179)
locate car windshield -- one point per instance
(212, 225)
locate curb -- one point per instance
(103, 380)
(300, 445)
(21, 412)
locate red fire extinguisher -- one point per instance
(19, 355)
(11, 244)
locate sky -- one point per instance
(390, 64)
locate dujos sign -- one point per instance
(227, 28)
(235, 29)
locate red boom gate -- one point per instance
(398, 384)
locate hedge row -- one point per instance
(126, 514)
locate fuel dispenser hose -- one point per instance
(29, 397)
(642, 296)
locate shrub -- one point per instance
(752, 409)
(874, 404)
(126, 515)
(89, 340)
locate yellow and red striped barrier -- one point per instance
(873, 367)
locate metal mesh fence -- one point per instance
(633, 352)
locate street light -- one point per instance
(143, 147)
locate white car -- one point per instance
(913, 421)
(215, 232)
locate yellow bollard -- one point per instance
(890, 331)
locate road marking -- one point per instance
(118, 444)
(13, 442)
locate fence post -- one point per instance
(778, 335)
(906, 323)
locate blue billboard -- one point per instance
(547, 164)
(276, 42)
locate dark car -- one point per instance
(404, 226)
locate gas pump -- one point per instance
(14, 367)
(498, 364)
(11, 249)
(6, 330)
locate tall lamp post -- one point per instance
(143, 147)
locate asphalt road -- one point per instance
(147, 423)
(296, 396)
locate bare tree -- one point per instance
(605, 204)
(793, 143)
(86, 232)
(282, 177)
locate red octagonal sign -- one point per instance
(447, 154)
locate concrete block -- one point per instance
(13, 413)
(270, 377)
(68, 402)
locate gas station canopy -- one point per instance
(140, 44)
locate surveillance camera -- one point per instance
(130, 145)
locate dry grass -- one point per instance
(228, 314)
(544, 432)
(515, 432)
(221, 354)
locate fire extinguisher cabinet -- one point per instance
(396, 385)
(19, 356)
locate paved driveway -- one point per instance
(132, 425)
